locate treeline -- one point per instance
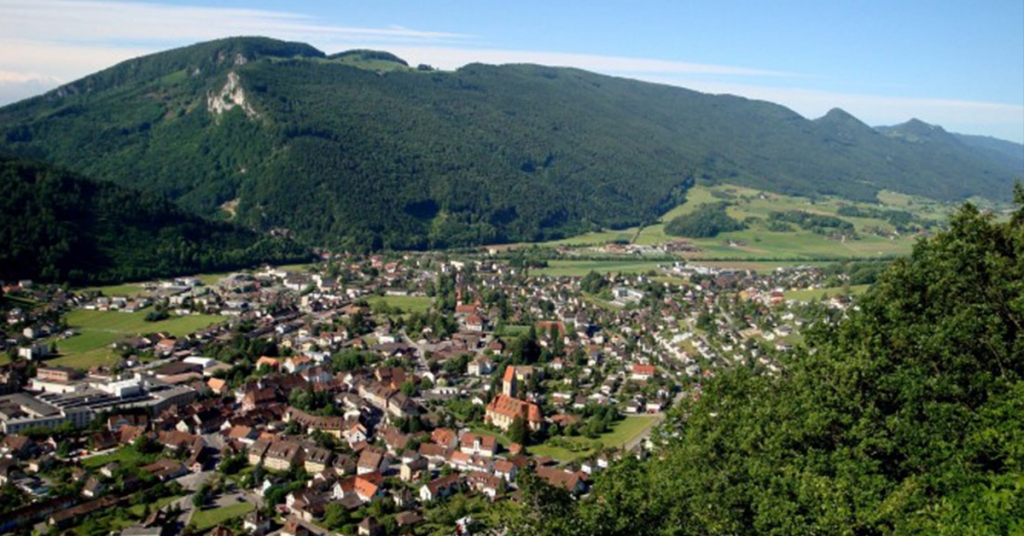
(902, 220)
(816, 223)
(907, 417)
(60, 227)
(706, 221)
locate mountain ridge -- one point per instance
(362, 158)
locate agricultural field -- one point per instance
(758, 243)
(581, 268)
(97, 330)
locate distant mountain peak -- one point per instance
(917, 131)
(362, 54)
(838, 114)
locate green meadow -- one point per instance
(622, 432)
(408, 304)
(97, 330)
(580, 268)
(757, 243)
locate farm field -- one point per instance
(97, 330)
(621, 433)
(757, 266)
(757, 243)
(581, 268)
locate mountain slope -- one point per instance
(358, 151)
(58, 226)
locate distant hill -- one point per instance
(58, 226)
(1011, 153)
(356, 150)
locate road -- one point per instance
(631, 444)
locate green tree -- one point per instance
(518, 432)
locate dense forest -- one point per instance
(907, 417)
(358, 150)
(59, 227)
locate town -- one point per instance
(372, 395)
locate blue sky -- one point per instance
(956, 64)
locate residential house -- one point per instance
(282, 455)
(439, 488)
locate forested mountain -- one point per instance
(907, 417)
(358, 150)
(58, 226)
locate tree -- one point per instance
(201, 495)
(337, 516)
(409, 388)
(518, 432)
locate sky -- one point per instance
(958, 64)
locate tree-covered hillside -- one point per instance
(359, 151)
(905, 418)
(57, 226)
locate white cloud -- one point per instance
(104, 21)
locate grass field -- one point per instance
(208, 519)
(97, 330)
(408, 304)
(761, 266)
(129, 290)
(125, 456)
(581, 268)
(621, 433)
(816, 294)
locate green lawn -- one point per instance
(408, 304)
(512, 330)
(208, 519)
(816, 294)
(139, 509)
(296, 267)
(581, 268)
(124, 456)
(97, 330)
(621, 433)
(129, 290)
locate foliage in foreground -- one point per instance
(905, 418)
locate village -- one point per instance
(370, 395)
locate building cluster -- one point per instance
(368, 381)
